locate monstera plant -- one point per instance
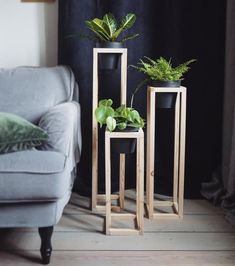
(161, 73)
(120, 119)
(108, 33)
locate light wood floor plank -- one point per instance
(127, 258)
(11, 240)
(81, 205)
(202, 237)
(190, 223)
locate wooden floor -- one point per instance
(201, 238)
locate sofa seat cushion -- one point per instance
(32, 161)
(33, 175)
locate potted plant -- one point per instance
(107, 32)
(161, 73)
(122, 118)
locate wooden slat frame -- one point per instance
(139, 215)
(123, 93)
(179, 154)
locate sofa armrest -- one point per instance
(63, 126)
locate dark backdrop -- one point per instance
(177, 29)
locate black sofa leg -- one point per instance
(46, 247)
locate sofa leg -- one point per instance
(46, 247)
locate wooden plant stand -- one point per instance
(96, 51)
(176, 202)
(139, 215)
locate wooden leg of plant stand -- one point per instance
(176, 151)
(182, 151)
(122, 181)
(150, 151)
(107, 183)
(140, 183)
(94, 133)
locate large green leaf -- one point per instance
(102, 112)
(99, 36)
(110, 23)
(97, 26)
(126, 23)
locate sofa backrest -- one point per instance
(31, 91)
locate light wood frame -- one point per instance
(139, 215)
(179, 154)
(123, 92)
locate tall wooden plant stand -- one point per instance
(96, 51)
(175, 204)
(139, 215)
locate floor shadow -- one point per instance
(9, 246)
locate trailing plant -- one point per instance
(108, 29)
(160, 69)
(121, 117)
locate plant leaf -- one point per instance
(105, 102)
(111, 23)
(97, 26)
(129, 37)
(102, 112)
(126, 23)
(111, 123)
(121, 126)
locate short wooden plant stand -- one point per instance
(96, 197)
(139, 215)
(175, 204)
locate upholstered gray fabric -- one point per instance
(22, 186)
(30, 92)
(59, 122)
(32, 214)
(32, 161)
(35, 185)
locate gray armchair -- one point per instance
(36, 184)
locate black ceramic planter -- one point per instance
(166, 100)
(127, 145)
(109, 62)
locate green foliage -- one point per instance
(120, 118)
(108, 28)
(161, 69)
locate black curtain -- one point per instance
(221, 189)
(177, 29)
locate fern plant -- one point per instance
(108, 29)
(160, 69)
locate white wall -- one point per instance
(28, 33)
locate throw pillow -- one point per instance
(18, 134)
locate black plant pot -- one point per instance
(108, 61)
(166, 100)
(127, 145)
